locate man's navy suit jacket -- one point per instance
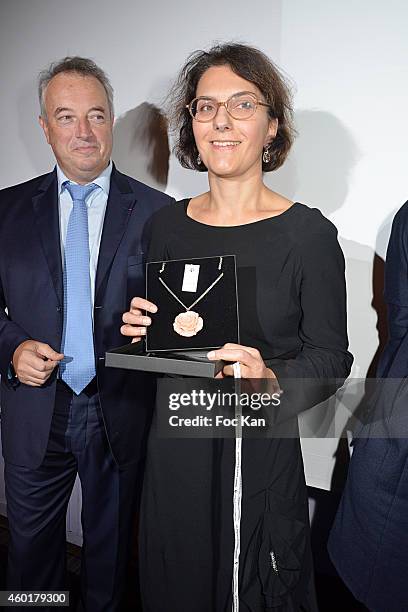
(31, 289)
(368, 541)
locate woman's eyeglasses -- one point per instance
(241, 105)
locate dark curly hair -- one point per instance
(250, 64)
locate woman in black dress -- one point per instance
(232, 110)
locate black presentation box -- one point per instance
(173, 346)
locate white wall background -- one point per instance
(349, 62)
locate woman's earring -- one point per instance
(266, 156)
(199, 162)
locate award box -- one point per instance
(197, 311)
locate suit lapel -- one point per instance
(45, 206)
(119, 207)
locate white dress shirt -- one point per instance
(96, 205)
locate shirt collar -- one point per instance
(103, 180)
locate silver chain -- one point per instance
(198, 299)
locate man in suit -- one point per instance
(72, 246)
(368, 543)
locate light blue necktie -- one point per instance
(78, 366)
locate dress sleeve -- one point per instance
(323, 327)
(396, 292)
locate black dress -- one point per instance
(291, 292)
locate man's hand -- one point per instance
(34, 362)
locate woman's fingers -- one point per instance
(135, 324)
(135, 320)
(134, 331)
(141, 304)
(250, 349)
(138, 318)
(252, 364)
(232, 354)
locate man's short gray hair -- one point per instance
(79, 65)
